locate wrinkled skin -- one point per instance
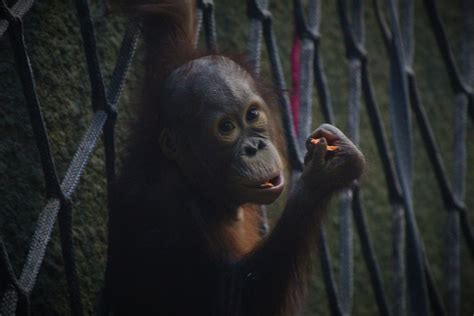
(232, 138)
(245, 154)
(332, 171)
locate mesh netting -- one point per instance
(413, 281)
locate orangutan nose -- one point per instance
(252, 146)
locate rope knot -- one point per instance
(311, 35)
(255, 11)
(7, 14)
(206, 4)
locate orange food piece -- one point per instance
(314, 141)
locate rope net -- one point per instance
(413, 284)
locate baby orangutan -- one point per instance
(204, 158)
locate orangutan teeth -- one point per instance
(267, 184)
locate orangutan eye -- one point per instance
(252, 114)
(226, 127)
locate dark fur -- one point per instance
(174, 251)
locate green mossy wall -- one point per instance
(55, 47)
